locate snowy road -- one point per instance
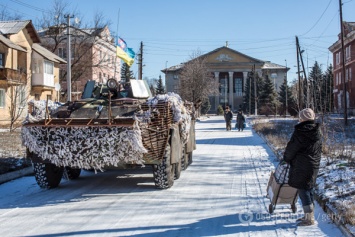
(222, 189)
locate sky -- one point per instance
(172, 31)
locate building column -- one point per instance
(216, 76)
(245, 77)
(231, 94)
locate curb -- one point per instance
(15, 174)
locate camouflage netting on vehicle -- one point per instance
(97, 146)
(180, 113)
(39, 109)
(85, 147)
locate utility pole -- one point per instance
(299, 76)
(255, 95)
(68, 56)
(140, 64)
(250, 94)
(286, 91)
(343, 65)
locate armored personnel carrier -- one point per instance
(112, 126)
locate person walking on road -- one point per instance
(303, 153)
(228, 116)
(240, 120)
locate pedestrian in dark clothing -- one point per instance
(240, 120)
(228, 116)
(303, 153)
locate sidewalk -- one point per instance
(249, 161)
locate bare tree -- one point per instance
(5, 15)
(196, 81)
(91, 47)
(18, 95)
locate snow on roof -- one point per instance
(12, 27)
(270, 65)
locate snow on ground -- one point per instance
(222, 193)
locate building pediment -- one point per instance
(225, 54)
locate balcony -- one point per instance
(12, 76)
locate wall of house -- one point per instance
(18, 60)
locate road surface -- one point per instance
(222, 193)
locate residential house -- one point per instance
(93, 56)
(230, 68)
(338, 78)
(45, 73)
(18, 82)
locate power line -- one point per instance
(318, 19)
(30, 6)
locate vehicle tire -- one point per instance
(47, 175)
(164, 172)
(71, 173)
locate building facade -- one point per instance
(338, 73)
(27, 70)
(93, 56)
(231, 69)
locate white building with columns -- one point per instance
(230, 68)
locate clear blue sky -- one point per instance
(171, 31)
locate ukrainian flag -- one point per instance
(124, 56)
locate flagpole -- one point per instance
(118, 22)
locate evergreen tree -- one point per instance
(126, 73)
(268, 98)
(160, 89)
(314, 90)
(328, 90)
(284, 88)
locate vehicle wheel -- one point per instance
(71, 173)
(177, 170)
(184, 163)
(271, 208)
(294, 208)
(47, 175)
(164, 172)
(189, 155)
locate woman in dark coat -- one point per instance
(303, 153)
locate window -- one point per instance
(62, 52)
(2, 59)
(348, 52)
(49, 97)
(176, 77)
(337, 58)
(238, 86)
(20, 94)
(2, 98)
(48, 67)
(37, 97)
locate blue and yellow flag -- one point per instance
(124, 56)
(124, 53)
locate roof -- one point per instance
(270, 65)
(47, 54)
(14, 27)
(10, 44)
